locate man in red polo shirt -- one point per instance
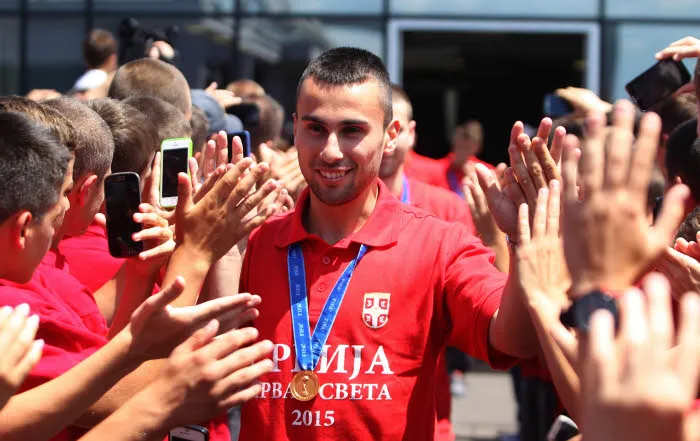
(363, 293)
(467, 142)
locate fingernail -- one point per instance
(22, 309)
(33, 321)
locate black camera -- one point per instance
(135, 42)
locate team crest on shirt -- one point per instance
(375, 311)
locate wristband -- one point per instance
(579, 314)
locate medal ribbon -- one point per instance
(405, 192)
(454, 183)
(309, 346)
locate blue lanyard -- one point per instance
(454, 183)
(309, 346)
(406, 191)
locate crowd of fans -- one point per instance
(312, 289)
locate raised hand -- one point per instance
(19, 352)
(157, 238)
(630, 390)
(213, 225)
(688, 47)
(681, 270)
(205, 377)
(542, 271)
(532, 167)
(607, 240)
(156, 328)
(583, 100)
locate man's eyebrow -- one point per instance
(345, 122)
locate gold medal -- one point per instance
(305, 386)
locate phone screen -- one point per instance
(174, 162)
(245, 140)
(657, 83)
(122, 200)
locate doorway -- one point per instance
(495, 72)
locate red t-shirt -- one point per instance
(443, 204)
(451, 178)
(90, 261)
(423, 169)
(434, 281)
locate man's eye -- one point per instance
(316, 128)
(352, 130)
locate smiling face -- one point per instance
(340, 137)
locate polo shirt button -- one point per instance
(326, 260)
(321, 286)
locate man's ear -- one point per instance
(20, 228)
(85, 188)
(391, 136)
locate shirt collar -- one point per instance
(380, 230)
(55, 259)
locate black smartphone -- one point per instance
(248, 113)
(657, 83)
(122, 200)
(189, 433)
(556, 106)
(245, 140)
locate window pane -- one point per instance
(9, 5)
(368, 7)
(54, 53)
(652, 9)
(57, 5)
(9, 57)
(165, 6)
(539, 8)
(635, 46)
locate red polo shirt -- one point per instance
(423, 169)
(376, 381)
(443, 204)
(90, 261)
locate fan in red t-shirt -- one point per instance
(363, 293)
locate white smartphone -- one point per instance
(175, 155)
(189, 433)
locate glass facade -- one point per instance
(272, 40)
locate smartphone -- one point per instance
(556, 106)
(563, 429)
(122, 200)
(248, 113)
(245, 140)
(175, 155)
(189, 433)
(657, 83)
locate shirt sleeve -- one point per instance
(473, 288)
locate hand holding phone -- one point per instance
(175, 154)
(657, 83)
(122, 200)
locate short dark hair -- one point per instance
(200, 128)
(675, 110)
(156, 78)
(135, 136)
(344, 66)
(94, 146)
(398, 94)
(33, 166)
(168, 120)
(59, 125)
(98, 46)
(683, 156)
(690, 226)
